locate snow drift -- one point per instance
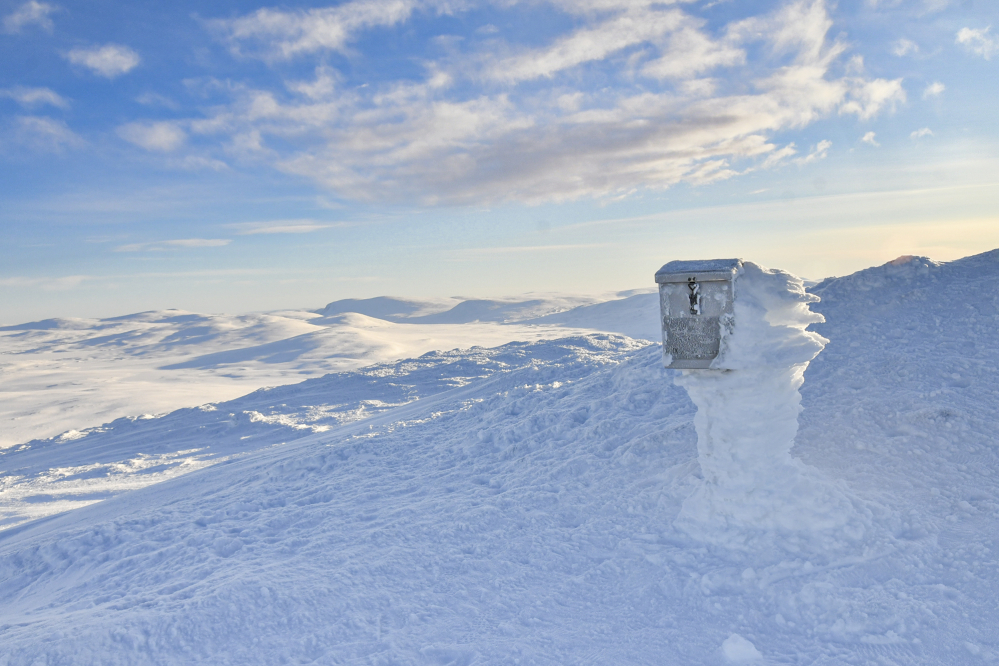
(746, 421)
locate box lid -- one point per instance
(702, 270)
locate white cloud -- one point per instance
(691, 52)
(321, 87)
(920, 133)
(161, 136)
(160, 246)
(31, 97)
(46, 134)
(978, 41)
(869, 138)
(904, 47)
(684, 50)
(475, 130)
(110, 60)
(867, 98)
(588, 44)
(28, 13)
(934, 90)
(778, 157)
(801, 27)
(273, 33)
(819, 152)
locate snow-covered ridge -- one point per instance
(69, 374)
(523, 309)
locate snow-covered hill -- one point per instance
(43, 477)
(59, 375)
(521, 511)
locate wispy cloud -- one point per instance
(158, 136)
(32, 97)
(904, 47)
(198, 163)
(29, 13)
(869, 138)
(920, 133)
(819, 152)
(778, 157)
(867, 99)
(978, 41)
(109, 61)
(156, 99)
(160, 246)
(278, 34)
(282, 227)
(935, 89)
(476, 129)
(46, 283)
(43, 134)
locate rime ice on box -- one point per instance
(737, 331)
(696, 299)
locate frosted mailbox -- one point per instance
(695, 299)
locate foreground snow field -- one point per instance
(521, 510)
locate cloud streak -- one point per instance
(45, 135)
(180, 243)
(34, 97)
(282, 227)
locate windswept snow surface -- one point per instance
(62, 375)
(525, 514)
(43, 477)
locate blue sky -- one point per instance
(232, 156)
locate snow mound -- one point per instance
(636, 315)
(387, 307)
(747, 418)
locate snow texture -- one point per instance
(60, 375)
(530, 513)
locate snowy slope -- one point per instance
(525, 516)
(71, 374)
(636, 315)
(42, 477)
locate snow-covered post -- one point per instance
(737, 332)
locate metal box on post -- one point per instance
(695, 299)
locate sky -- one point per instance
(234, 156)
